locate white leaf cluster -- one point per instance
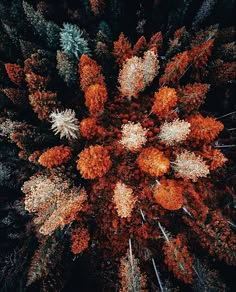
(137, 73)
(65, 123)
(174, 132)
(133, 136)
(190, 166)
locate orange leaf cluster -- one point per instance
(122, 49)
(93, 85)
(193, 199)
(153, 161)
(15, 73)
(89, 128)
(179, 36)
(214, 157)
(215, 235)
(79, 240)
(16, 95)
(95, 98)
(90, 73)
(200, 53)
(21, 135)
(36, 82)
(175, 69)
(204, 129)
(66, 212)
(156, 41)
(97, 6)
(178, 260)
(55, 156)
(93, 162)
(168, 193)
(192, 96)
(224, 72)
(140, 47)
(43, 103)
(34, 157)
(165, 101)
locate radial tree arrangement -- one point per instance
(121, 160)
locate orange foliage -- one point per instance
(193, 200)
(79, 240)
(165, 101)
(224, 72)
(122, 49)
(214, 156)
(215, 235)
(178, 40)
(204, 129)
(16, 95)
(36, 82)
(140, 47)
(178, 260)
(55, 156)
(192, 96)
(90, 73)
(86, 60)
(175, 69)
(200, 53)
(15, 73)
(97, 6)
(168, 193)
(23, 155)
(153, 161)
(93, 162)
(18, 138)
(66, 212)
(156, 41)
(89, 128)
(34, 157)
(43, 103)
(180, 32)
(95, 98)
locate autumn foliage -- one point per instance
(55, 156)
(122, 49)
(153, 162)
(165, 101)
(15, 73)
(117, 155)
(192, 96)
(95, 98)
(168, 193)
(199, 54)
(90, 73)
(89, 128)
(175, 69)
(178, 259)
(43, 103)
(215, 158)
(79, 240)
(204, 129)
(93, 162)
(97, 6)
